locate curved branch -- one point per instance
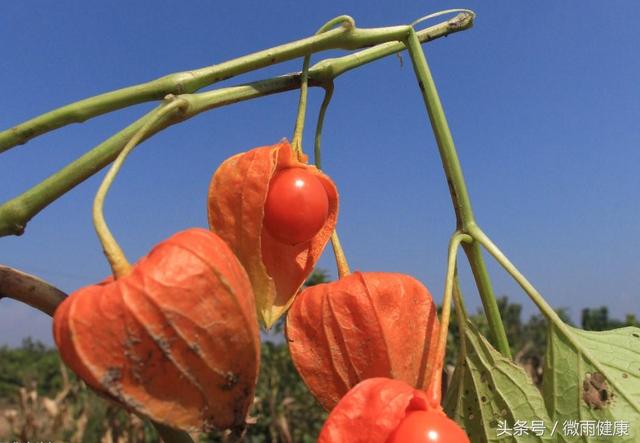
(29, 289)
(15, 213)
(345, 37)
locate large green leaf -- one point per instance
(488, 389)
(594, 378)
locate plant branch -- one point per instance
(15, 213)
(344, 37)
(457, 188)
(29, 289)
(191, 81)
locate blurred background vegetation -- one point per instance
(41, 400)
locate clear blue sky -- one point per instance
(543, 99)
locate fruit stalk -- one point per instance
(112, 250)
(341, 260)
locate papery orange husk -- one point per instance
(371, 411)
(237, 195)
(365, 325)
(176, 339)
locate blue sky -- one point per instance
(542, 97)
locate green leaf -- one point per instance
(594, 376)
(487, 389)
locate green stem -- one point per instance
(563, 329)
(317, 154)
(296, 141)
(114, 254)
(457, 187)
(480, 237)
(15, 213)
(434, 393)
(461, 316)
(341, 260)
(191, 81)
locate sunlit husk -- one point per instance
(237, 195)
(365, 325)
(176, 340)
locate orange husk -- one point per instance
(371, 411)
(176, 340)
(365, 325)
(237, 195)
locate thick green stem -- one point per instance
(457, 187)
(191, 81)
(15, 213)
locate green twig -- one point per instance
(112, 251)
(296, 141)
(15, 213)
(341, 259)
(457, 187)
(317, 154)
(480, 237)
(191, 81)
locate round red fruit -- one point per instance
(297, 206)
(428, 427)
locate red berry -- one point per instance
(297, 206)
(428, 427)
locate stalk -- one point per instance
(457, 187)
(341, 260)
(30, 290)
(191, 81)
(296, 141)
(15, 213)
(112, 251)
